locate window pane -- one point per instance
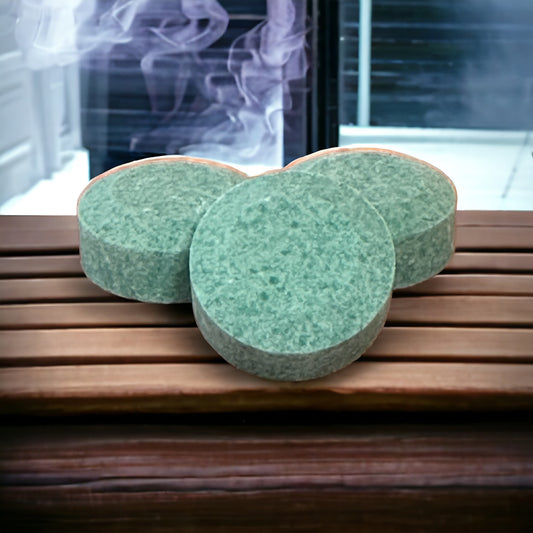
(443, 63)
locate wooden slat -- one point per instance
(38, 234)
(494, 218)
(442, 310)
(413, 457)
(37, 223)
(45, 234)
(24, 225)
(363, 478)
(462, 310)
(51, 289)
(87, 509)
(182, 345)
(87, 354)
(82, 290)
(453, 344)
(71, 315)
(494, 238)
(491, 262)
(185, 388)
(488, 284)
(98, 345)
(39, 266)
(389, 455)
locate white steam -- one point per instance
(241, 118)
(262, 63)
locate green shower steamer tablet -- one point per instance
(417, 201)
(291, 278)
(137, 220)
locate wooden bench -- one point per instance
(118, 415)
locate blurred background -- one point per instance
(90, 84)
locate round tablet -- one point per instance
(137, 220)
(291, 278)
(417, 201)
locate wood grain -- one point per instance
(317, 509)
(227, 478)
(44, 347)
(494, 237)
(465, 310)
(72, 315)
(184, 388)
(454, 344)
(390, 455)
(441, 310)
(38, 266)
(23, 234)
(494, 218)
(458, 347)
(110, 345)
(511, 262)
(81, 289)
(473, 284)
(481, 230)
(52, 289)
(466, 326)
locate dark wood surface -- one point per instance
(357, 477)
(118, 416)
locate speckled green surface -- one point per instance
(291, 278)
(416, 200)
(136, 225)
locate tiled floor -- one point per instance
(491, 170)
